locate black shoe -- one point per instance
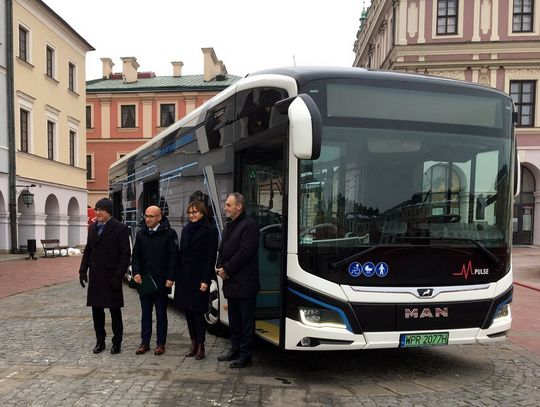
(240, 363)
(99, 348)
(230, 355)
(115, 349)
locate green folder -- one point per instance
(147, 286)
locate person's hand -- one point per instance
(137, 278)
(203, 287)
(83, 278)
(169, 283)
(221, 272)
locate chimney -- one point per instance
(107, 67)
(177, 68)
(212, 66)
(129, 69)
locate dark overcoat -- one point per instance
(239, 257)
(106, 256)
(156, 253)
(197, 260)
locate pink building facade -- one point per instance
(494, 43)
(126, 109)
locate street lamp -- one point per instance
(26, 195)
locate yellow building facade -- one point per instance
(49, 117)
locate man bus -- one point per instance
(384, 201)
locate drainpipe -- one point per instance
(12, 179)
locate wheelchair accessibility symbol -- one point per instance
(355, 269)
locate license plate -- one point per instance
(420, 340)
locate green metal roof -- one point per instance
(160, 84)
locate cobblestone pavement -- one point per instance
(46, 360)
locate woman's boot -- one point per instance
(192, 350)
(200, 351)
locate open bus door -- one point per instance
(260, 178)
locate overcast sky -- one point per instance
(247, 35)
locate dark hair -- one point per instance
(105, 204)
(199, 206)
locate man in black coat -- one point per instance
(238, 266)
(155, 256)
(106, 255)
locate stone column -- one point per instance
(105, 118)
(536, 219)
(147, 118)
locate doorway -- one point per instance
(261, 179)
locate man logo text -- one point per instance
(426, 313)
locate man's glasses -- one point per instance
(150, 216)
(192, 212)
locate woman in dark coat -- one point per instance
(197, 259)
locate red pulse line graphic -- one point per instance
(465, 271)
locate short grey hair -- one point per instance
(238, 198)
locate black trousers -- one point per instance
(98, 315)
(242, 325)
(196, 325)
(148, 302)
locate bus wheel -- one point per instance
(213, 326)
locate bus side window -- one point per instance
(217, 132)
(255, 111)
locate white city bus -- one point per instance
(384, 201)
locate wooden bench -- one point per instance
(52, 247)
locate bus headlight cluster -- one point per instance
(320, 318)
(503, 310)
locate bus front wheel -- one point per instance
(213, 325)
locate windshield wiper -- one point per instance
(485, 251)
(337, 264)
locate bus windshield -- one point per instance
(405, 164)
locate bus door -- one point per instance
(260, 177)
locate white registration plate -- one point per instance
(423, 339)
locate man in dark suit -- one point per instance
(106, 255)
(238, 266)
(155, 256)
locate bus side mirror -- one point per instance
(305, 126)
(517, 175)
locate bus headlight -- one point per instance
(503, 310)
(320, 318)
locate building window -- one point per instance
(88, 117)
(23, 43)
(72, 139)
(523, 94)
(24, 116)
(50, 140)
(522, 19)
(447, 17)
(89, 166)
(128, 116)
(50, 62)
(71, 78)
(166, 114)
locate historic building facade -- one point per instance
(47, 106)
(124, 110)
(491, 42)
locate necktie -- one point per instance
(100, 229)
